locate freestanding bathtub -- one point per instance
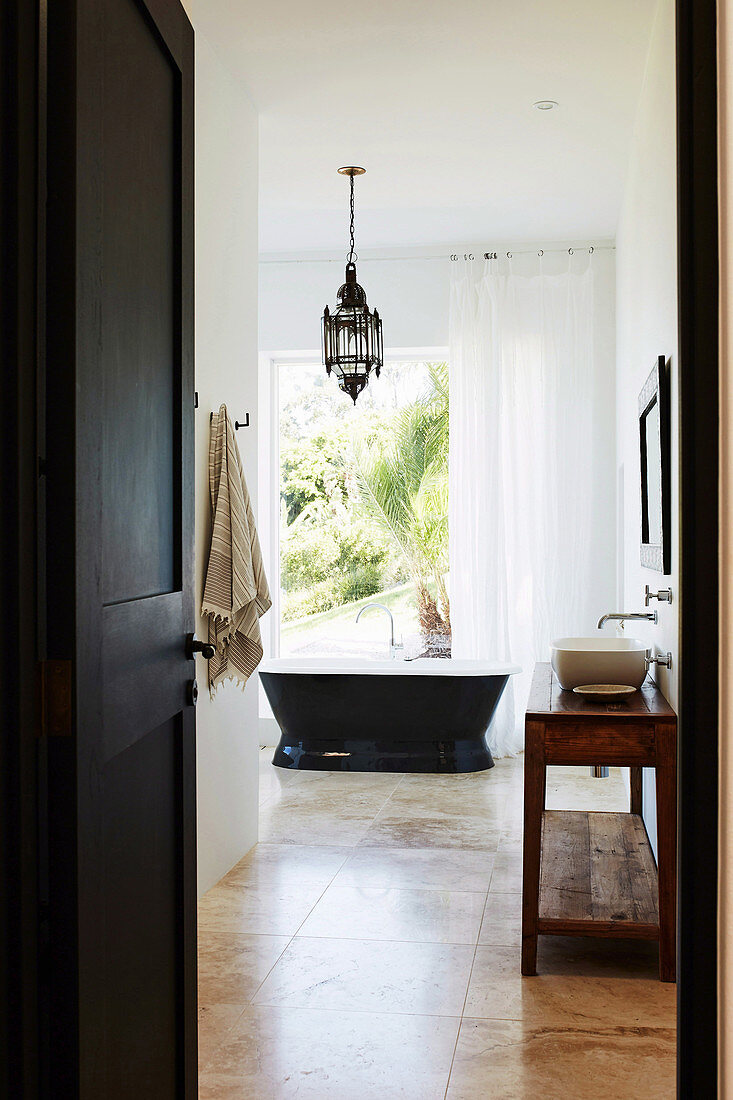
(390, 716)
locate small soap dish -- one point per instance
(604, 692)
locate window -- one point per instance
(363, 511)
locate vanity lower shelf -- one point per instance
(597, 876)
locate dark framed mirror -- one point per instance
(654, 443)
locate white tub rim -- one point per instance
(423, 666)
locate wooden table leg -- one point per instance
(534, 798)
(665, 736)
(635, 782)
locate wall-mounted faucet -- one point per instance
(392, 646)
(622, 616)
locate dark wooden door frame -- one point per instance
(698, 247)
(20, 136)
(20, 971)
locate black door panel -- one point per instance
(121, 790)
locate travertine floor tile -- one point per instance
(407, 860)
(511, 839)
(489, 807)
(277, 1053)
(313, 824)
(496, 1060)
(502, 922)
(272, 780)
(432, 830)
(571, 999)
(506, 877)
(310, 797)
(429, 868)
(495, 783)
(369, 976)
(373, 913)
(573, 788)
(287, 864)
(215, 1021)
(594, 957)
(386, 782)
(266, 910)
(232, 965)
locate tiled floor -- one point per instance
(368, 947)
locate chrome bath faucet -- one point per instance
(622, 616)
(392, 646)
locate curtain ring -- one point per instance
(541, 253)
(508, 255)
(591, 250)
(454, 255)
(468, 255)
(571, 252)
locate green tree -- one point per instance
(401, 484)
(311, 471)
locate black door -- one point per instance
(119, 549)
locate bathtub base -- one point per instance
(383, 723)
(463, 755)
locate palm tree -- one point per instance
(402, 486)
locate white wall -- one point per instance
(226, 371)
(411, 291)
(646, 311)
(411, 295)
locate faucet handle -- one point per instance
(663, 659)
(664, 595)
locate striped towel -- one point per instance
(235, 592)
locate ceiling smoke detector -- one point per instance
(545, 104)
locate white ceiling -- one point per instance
(435, 100)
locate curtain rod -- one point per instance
(456, 256)
(590, 249)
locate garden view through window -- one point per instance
(364, 512)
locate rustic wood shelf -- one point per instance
(597, 876)
(591, 873)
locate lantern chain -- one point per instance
(351, 248)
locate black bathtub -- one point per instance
(391, 716)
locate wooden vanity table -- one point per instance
(592, 873)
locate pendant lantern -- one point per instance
(352, 334)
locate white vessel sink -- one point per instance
(577, 661)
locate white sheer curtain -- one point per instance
(521, 378)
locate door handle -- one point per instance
(193, 646)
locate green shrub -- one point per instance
(310, 601)
(360, 582)
(307, 557)
(324, 567)
(352, 557)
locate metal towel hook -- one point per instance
(237, 425)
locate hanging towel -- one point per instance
(235, 592)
